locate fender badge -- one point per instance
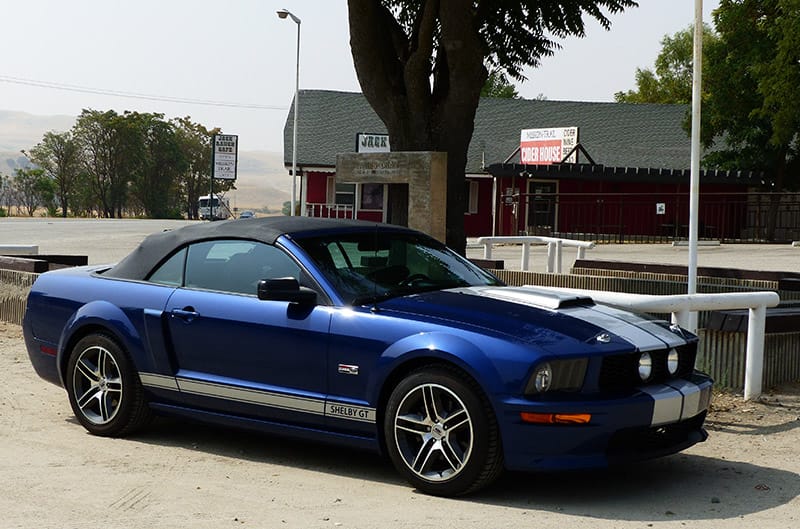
(603, 337)
(675, 328)
(345, 369)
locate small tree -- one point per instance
(34, 189)
(195, 141)
(6, 194)
(58, 155)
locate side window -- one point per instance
(171, 271)
(236, 266)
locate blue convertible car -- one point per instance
(368, 335)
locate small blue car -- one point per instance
(366, 335)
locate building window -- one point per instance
(346, 194)
(372, 196)
(472, 190)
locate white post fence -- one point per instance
(681, 305)
(555, 246)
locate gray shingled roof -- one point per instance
(614, 134)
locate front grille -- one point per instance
(621, 372)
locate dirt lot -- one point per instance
(180, 475)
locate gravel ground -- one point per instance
(181, 475)
(53, 475)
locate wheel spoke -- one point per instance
(424, 455)
(106, 406)
(89, 397)
(87, 371)
(102, 363)
(453, 459)
(430, 403)
(412, 424)
(456, 420)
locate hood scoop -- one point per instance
(533, 297)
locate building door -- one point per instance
(542, 202)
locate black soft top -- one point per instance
(154, 248)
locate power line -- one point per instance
(132, 95)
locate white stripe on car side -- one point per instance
(158, 381)
(252, 396)
(260, 397)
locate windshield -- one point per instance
(371, 266)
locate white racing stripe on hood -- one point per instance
(628, 331)
(632, 328)
(672, 339)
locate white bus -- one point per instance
(220, 205)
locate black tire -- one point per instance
(104, 390)
(441, 433)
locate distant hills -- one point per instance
(262, 180)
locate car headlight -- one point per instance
(542, 378)
(645, 367)
(673, 361)
(557, 375)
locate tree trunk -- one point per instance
(395, 76)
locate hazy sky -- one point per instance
(240, 52)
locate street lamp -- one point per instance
(283, 13)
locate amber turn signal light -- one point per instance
(556, 418)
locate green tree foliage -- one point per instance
(497, 86)
(422, 65)
(82, 199)
(161, 162)
(753, 79)
(34, 189)
(195, 142)
(671, 81)
(58, 155)
(133, 163)
(6, 194)
(103, 136)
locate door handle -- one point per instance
(187, 314)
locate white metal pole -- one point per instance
(296, 104)
(754, 356)
(283, 13)
(694, 192)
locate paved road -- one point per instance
(108, 240)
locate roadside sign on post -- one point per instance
(225, 156)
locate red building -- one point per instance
(630, 177)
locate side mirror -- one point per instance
(286, 289)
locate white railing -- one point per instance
(554, 249)
(681, 305)
(333, 211)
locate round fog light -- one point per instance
(543, 378)
(672, 361)
(645, 366)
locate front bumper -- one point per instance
(652, 421)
